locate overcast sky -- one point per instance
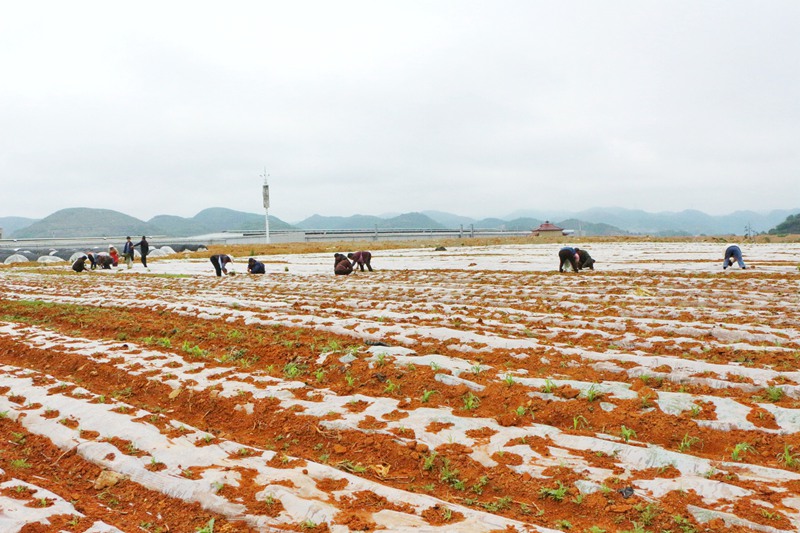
(476, 108)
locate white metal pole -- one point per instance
(265, 191)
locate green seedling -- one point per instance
(548, 386)
(471, 401)
(774, 394)
(428, 461)
(687, 442)
(740, 449)
(426, 395)
(555, 494)
(788, 458)
(592, 393)
(626, 433)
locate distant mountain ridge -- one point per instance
(80, 222)
(85, 221)
(687, 222)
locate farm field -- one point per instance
(471, 390)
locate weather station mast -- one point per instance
(265, 191)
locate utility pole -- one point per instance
(265, 191)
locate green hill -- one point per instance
(361, 222)
(590, 228)
(85, 222)
(790, 225)
(214, 220)
(9, 225)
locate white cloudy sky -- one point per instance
(475, 107)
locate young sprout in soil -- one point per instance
(477, 488)
(391, 387)
(739, 449)
(555, 494)
(788, 458)
(695, 410)
(683, 524)
(349, 379)
(435, 367)
(477, 368)
(592, 393)
(332, 346)
(687, 442)
(164, 342)
(595, 529)
(521, 410)
(471, 401)
(549, 386)
(564, 524)
(292, 370)
(509, 380)
(577, 500)
(579, 422)
(426, 395)
(645, 400)
(319, 374)
(427, 463)
(774, 393)
(3, 414)
(626, 433)
(20, 464)
(380, 359)
(447, 514)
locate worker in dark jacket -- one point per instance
(144, 247)
(127, 251)
(733, 253)
(584, 259)
(104, 261)
(220, 261)
(568, 256)
(255, 267)
(92, 259)
(360, 259)
(80, 263)
(341, 265)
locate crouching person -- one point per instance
(220, 262)
(360, 259)
(80, 264)
(568, 258)
(255, 267)
(733, 253)
(341, 265)
(584, 259)
(105, 262)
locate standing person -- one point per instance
(112, 252)
(568, 255)
(341, 265)
(360, 259)
(733, 252)
(144, 246)
(219, 261)
(127, 252)
(255, 267)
